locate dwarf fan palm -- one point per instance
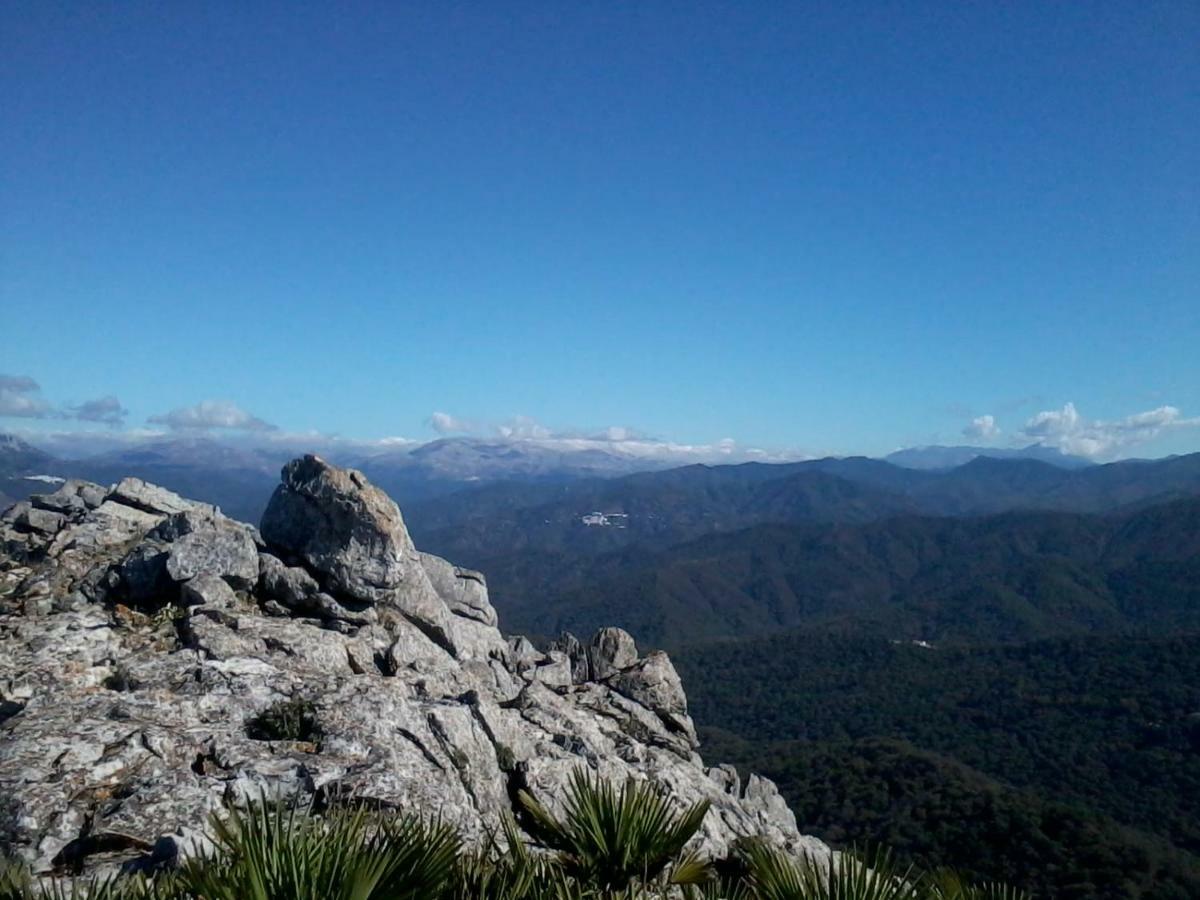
(611, 838)
(773, 875)
(273, 853)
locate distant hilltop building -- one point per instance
(614, 520)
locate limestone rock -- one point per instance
(124, 723)
(205, 541)
(149, 498)
(342, 527)
(577, 653)
(654, 683)
(610, 651)
(352, 537)
(462, 590)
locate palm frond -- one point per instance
(610, 837)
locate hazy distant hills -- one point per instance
(447, 466)
(937, 457)
(240, 480)
(552, 562)
(678, 504)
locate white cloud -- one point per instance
(523, 428)
(1068, 431)
(982, 428)
(21, 397)
(444, 423)
(616, 439)
(106, 410)
(211, 414)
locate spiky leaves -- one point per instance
(773, 875)
(274, 853)
(611, 837)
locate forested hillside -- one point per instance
(1053, 743)
(1011, 577)
(934, 811)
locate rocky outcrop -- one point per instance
(148, 644)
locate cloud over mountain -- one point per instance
(982, 428)
(21, 396)
(444, 423)
(1071, 433)
(107, 410)
(211, 414)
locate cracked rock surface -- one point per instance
(145, 639)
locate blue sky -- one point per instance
(806, 227)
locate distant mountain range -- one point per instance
(552, 550)
(240, 480)
(937, 457)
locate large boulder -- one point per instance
(351, 536)
(344, 528)
(203, 540)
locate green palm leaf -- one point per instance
(609, 838)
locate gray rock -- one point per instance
(352, 536)
(342, 527)
(654, 683)
(144, 575)
(215, 546)
(462, 590)
(208, 590)
(412, 717)
(73, 498)
(581, 670)
(294, 588)
(63, 501)
(290, 585)
(610, 651)
(43, 520)
(522, 652)
(131, 516)
(148, 497)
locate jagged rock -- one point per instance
(462, 590)
(290, 585)
(149, 498)
(610, 651)
(135, 727)
(342, 527)
(352, 536)
(42, 520)
(210, 590)
(202, 540)
(73, 496)
(654, 683)
(295, 589)
(144, 574)
(581, 670)
(132, 517)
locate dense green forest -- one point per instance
(1067, 758)
(933, 811)
(1012, 577)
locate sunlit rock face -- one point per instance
(148, 643)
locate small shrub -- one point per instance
(120, 679)
(287, 720)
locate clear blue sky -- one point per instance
(841, 227)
